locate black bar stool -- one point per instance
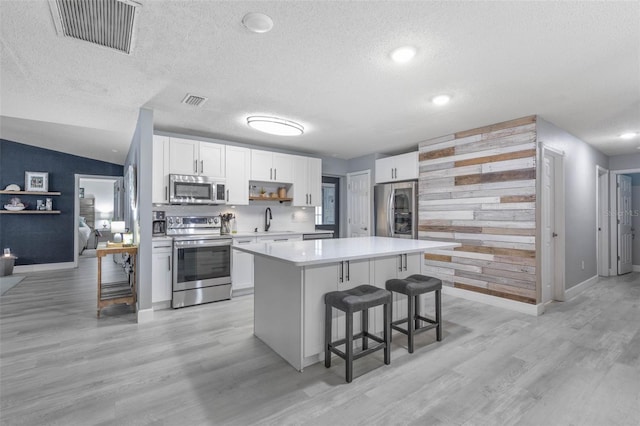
(360, 298)
(413, 286)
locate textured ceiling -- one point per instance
(325, 65)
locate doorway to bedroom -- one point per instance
(99, 201)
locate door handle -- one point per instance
(195, 166)
(400, 267)
(392, 173)
(166, 193)
(227, 195)
(348, 270)
(275, 174)
(202, 166)
(311, 203)
(169, 261)
(307, 198)
(554, 234)
(405, 262)
(271, 174)
(340, 277)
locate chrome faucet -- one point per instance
(267, 219)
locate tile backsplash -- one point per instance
(285, 217)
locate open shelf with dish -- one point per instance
(23, 208)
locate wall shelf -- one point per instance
(29, 193)
(282, 200)
(30, 212)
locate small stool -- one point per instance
(360, 298)
(413, 286)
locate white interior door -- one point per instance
(359, 204)
(625, 264)
(603, 224)
(548, 227)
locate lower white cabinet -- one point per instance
(242, 266)
(161, 271)
(280, 238)
(322, 279)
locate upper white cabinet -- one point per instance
(398, 167)
(307, 181)
(189, 157)
(271, 166)
(238, 164)
(160, 183)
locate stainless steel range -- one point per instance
(201, 260)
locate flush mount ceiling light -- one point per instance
(257, 22)
(403, 54)
(441, 99)
(628, 135)
(275, 126)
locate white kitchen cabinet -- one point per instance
(322, 279)
(280, 238)
(242, 266)
(191, 157)
(397, 168)
(160, 180)
(271, 166)
(398, 266)
(307, 181)
(238, 165)
(162, 271)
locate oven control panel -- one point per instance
(193, 224)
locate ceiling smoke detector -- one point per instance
(257, 22)
(107, 23)
(194, 100)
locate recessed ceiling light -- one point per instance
(628, 135)
(275, 125)
(114, 150)
(441, 99)
(403, 54)
(257, 22)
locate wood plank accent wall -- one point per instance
(478, 188)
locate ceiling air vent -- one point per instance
(194, 100)
(108, 23)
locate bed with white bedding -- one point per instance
(84, 234)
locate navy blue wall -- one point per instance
(43, 238)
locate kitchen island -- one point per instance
(291, 279)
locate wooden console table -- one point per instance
(121, 291)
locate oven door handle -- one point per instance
(183, 244)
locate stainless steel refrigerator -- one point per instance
(396, 209)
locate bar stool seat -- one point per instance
(360, 298)
(413, 286)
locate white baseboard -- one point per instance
(499, 302)
(158, 306)
(242, 292)
(145, 315)
(572, 292)
(636, 268)
(23, 269)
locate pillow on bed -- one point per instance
(81, 222)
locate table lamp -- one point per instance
(117, 228)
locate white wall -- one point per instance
(625, 162)
(580, 162)
(102, 191)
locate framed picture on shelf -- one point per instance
(36, 181)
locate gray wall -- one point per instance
(138, 219)
(625, 162)
(580, 162)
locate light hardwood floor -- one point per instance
(578, 364)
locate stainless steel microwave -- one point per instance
(188, 189)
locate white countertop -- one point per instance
(315, 252)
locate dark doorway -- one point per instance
(328, 215)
